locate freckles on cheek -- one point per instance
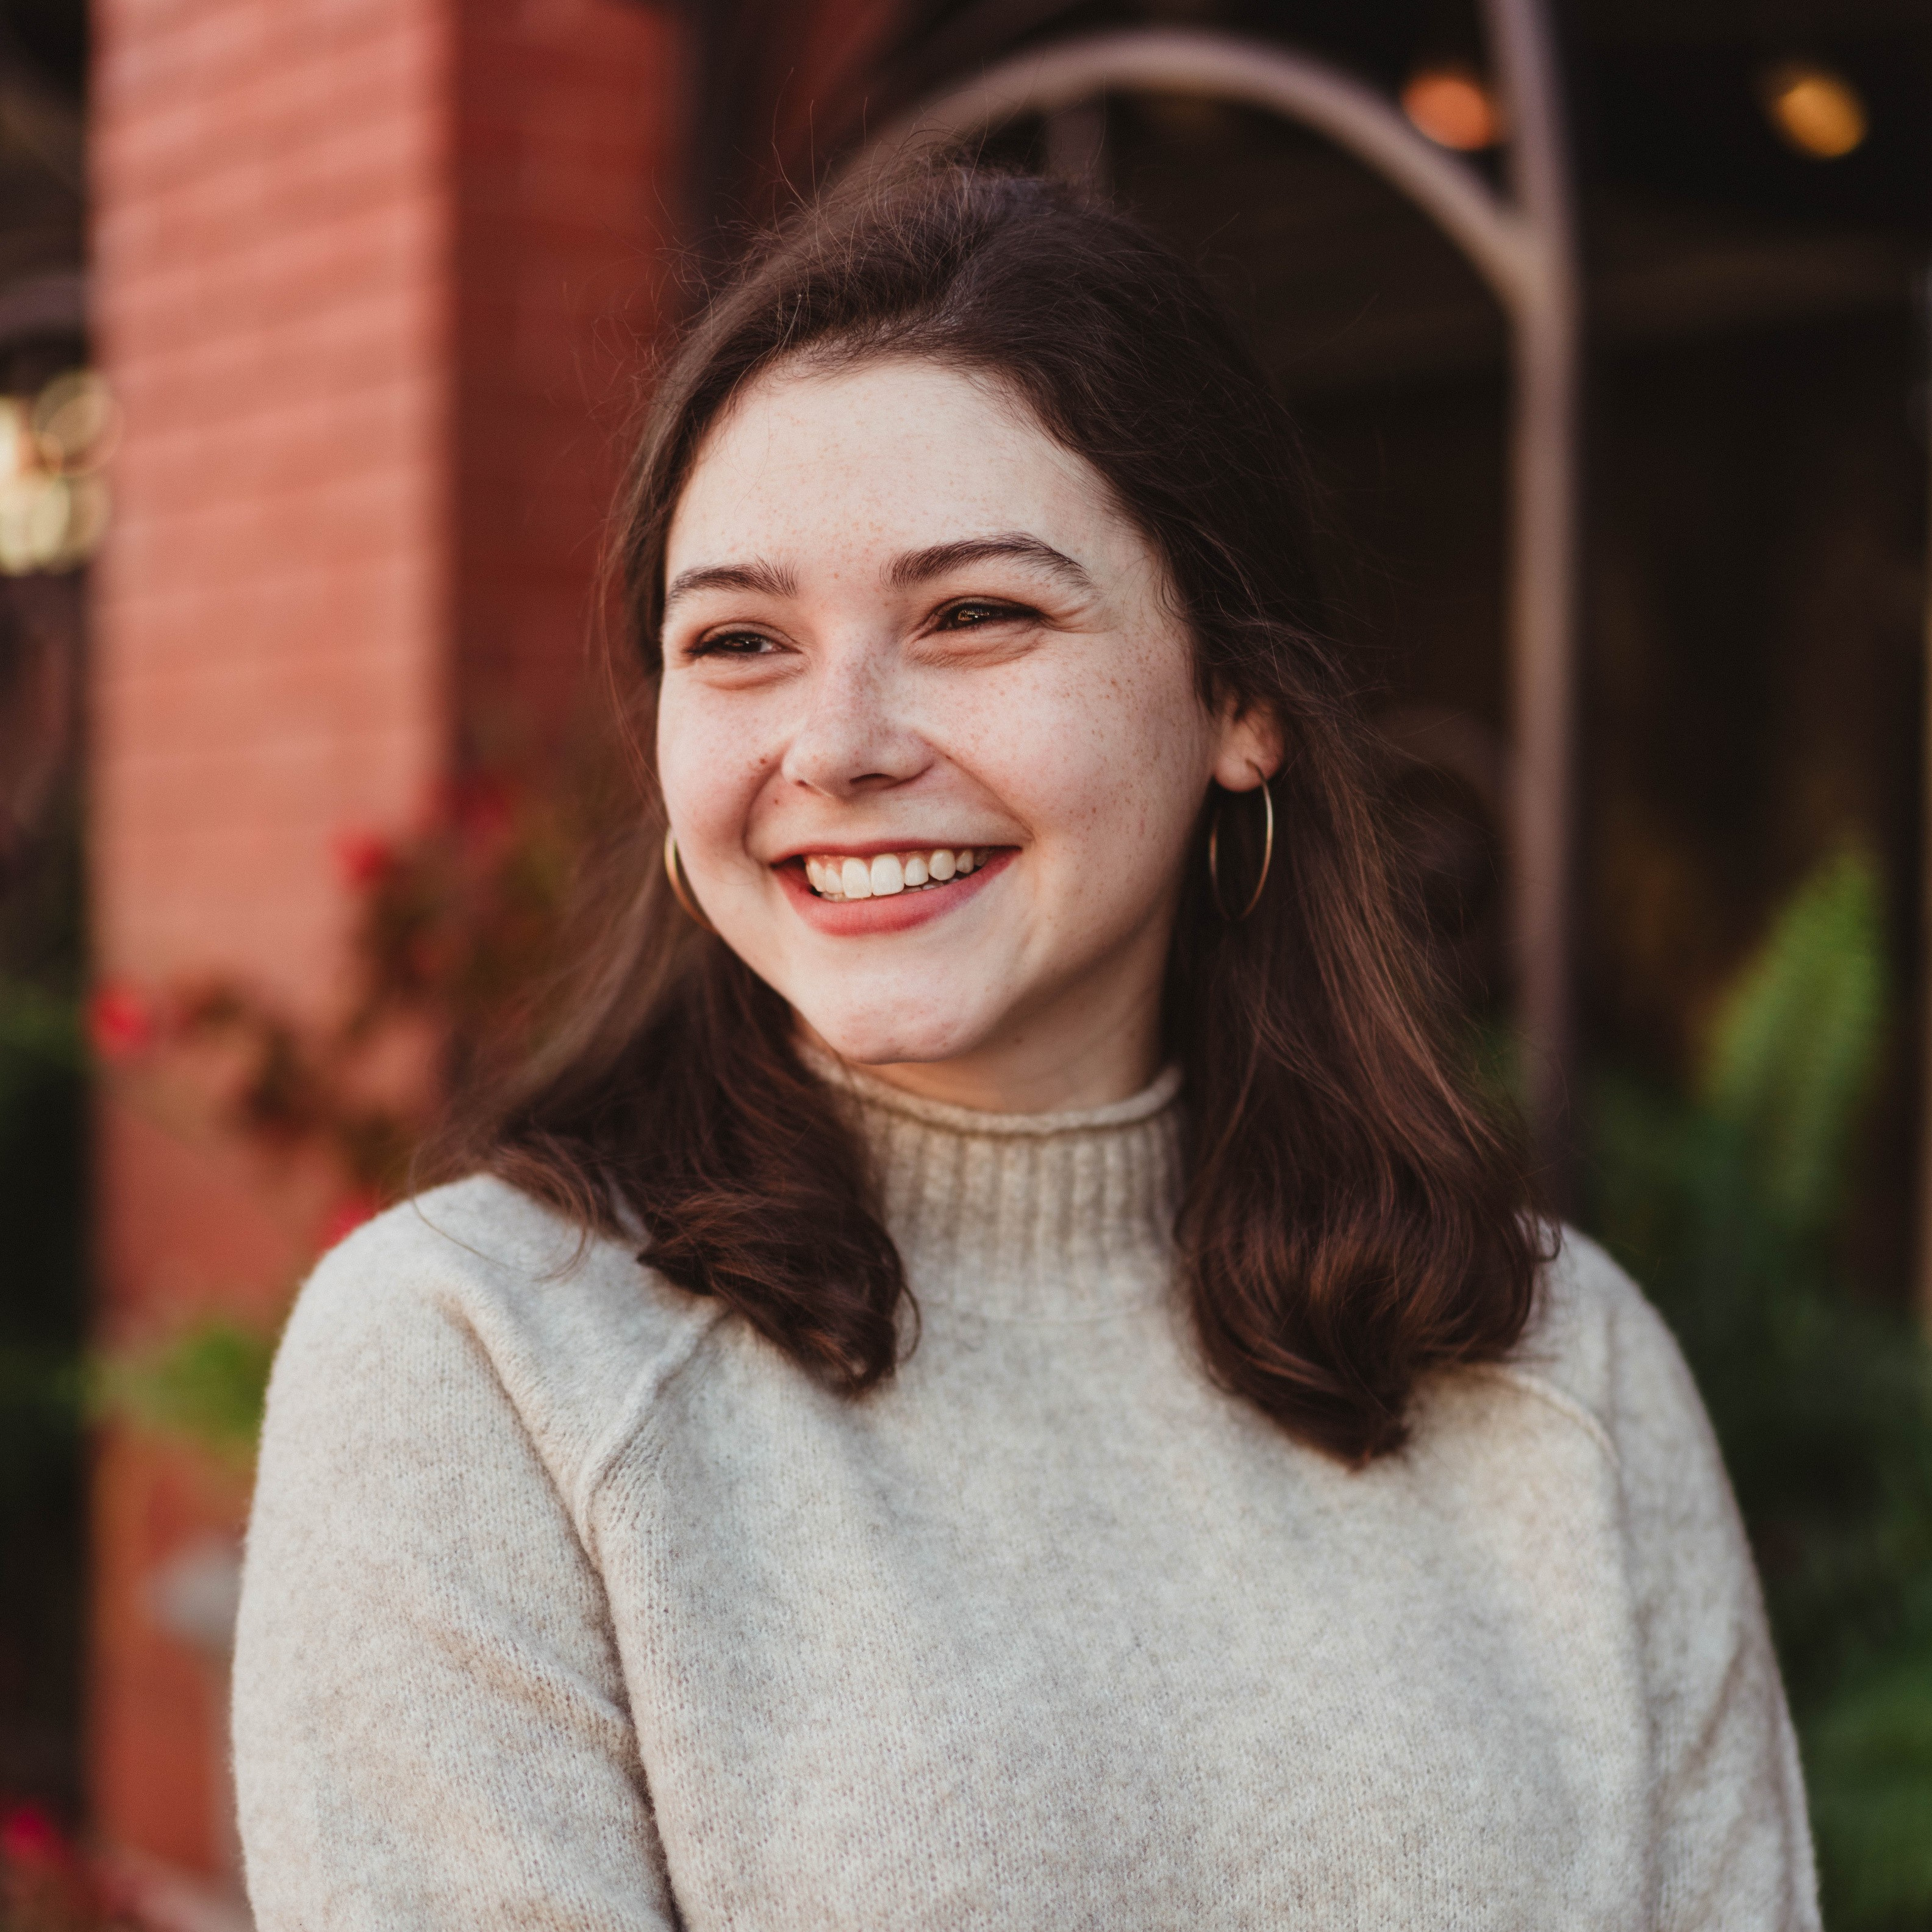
(710, 778)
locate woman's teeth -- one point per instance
(833, 878)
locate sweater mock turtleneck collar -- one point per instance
(1017, 1217)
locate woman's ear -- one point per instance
(1251, 745)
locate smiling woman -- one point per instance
(895, 678)
(994, 1376)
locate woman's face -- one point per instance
(929, 734)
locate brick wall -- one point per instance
(567, 192)
(368, 275)
(271, 248)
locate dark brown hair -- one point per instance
(1350, 1219)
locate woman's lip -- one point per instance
(896, 912)
(870, 848)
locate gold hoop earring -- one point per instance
(674, 872)
(1214, 858)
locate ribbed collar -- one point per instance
(1060, 1216)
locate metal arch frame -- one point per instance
(1524, 246)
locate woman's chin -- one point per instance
(885, 1040)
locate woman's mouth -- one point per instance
(837, 876)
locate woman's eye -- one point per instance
(970, 616)
(733, 644)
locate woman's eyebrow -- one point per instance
(768, 580)
(919, 566)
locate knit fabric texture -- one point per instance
(570, 1603)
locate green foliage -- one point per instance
(208, 1382)
(1793, 1052)
(1728, 1203)
(1871, 1793)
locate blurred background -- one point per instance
(1610, 324)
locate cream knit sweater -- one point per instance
(570, 1604)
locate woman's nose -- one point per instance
(852, 735)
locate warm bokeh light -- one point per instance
(53, 504)
(17, 450)
(1815, 111)
(75, 422)
(1452, 107)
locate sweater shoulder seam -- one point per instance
(1549, 1393)
(633, 1416)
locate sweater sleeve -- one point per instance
(1733, 1845)
(430, 1723)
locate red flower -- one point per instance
(30, 1839)
(120, 1023)
(346, 1215)
(364, 858)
